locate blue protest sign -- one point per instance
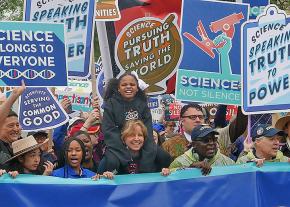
(38, 109)
(265, 68)
(153, 103)
(33, 52)
(256, 7)
(78, 18)
(210, 68)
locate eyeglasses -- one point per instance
(206, 140)
(193, 117)
(170, 125)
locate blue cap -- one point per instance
(201, 131)
(265, 130)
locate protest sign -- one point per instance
(38, 110)
(256, 7)
(155, 106)
(131, 10)
(151, 47)
(78, 18)
(173, 112)
(79, 93)
(107, 10)
(210, 68)
(101, 87)
(265, 56)
(33, 52)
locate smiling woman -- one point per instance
(133, 136)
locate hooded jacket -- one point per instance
(116, 112)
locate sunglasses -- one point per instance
(194, 117)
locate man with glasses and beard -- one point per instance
(203, 154)
(191, 116)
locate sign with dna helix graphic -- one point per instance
(34, 52)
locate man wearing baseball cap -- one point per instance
(266, 146)
(204, 152)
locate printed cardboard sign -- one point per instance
(79, 93)
(153, 103)
(39, 110)
(151, 47)
(78, 19)
(266, 63)
(210, 68)
(107, 10)
(33, 52)
(174, 111)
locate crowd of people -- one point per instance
(123, 139)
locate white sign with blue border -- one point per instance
(78, 18)
(210, 68)
(39, 110)
(33, 52)
(266, 62)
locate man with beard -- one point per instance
(203, 154)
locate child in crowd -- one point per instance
(124, 101)
(133, 136)
(74, 153)
(27, 158)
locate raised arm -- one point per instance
(6, 106)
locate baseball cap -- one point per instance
(201, 131)
(265, 130)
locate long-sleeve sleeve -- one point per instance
(58, 136)
(112, 134)
(220, 117)
(238, 126)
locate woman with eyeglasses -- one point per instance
(203, 154)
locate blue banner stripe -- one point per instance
(250, 186)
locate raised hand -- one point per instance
(165, 171)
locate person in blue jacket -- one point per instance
(74, 153)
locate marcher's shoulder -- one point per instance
(243, 159)
(58, 172)
(223, 130)
(88, 173)
(228, 160)
(177, 138)
(281, 157)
